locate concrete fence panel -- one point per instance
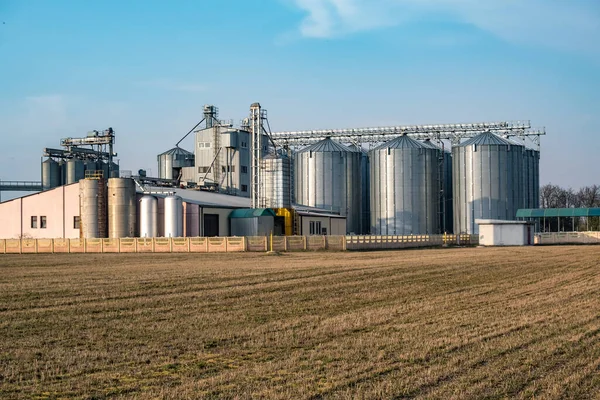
(60, 245)
(180, 245)
(236, 244)
(45, 246)
(163, 245)
(77, 246)
(256, 243)
(295, 243)
(28, 246)
(127, 245)
(12, 246)
(93, 245)
(198, 245)
(315, 243)
(278, 243)
(144, 245)
(337, 243)
(110, 246)
(217, 245)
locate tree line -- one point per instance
(554, 196)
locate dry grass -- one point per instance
(456, 323)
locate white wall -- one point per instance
(505, 234)
(59, 206)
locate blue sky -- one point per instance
(147, 67)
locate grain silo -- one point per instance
(75, 171)
(487, 181)
(276, 171)
(405, 184)
(121, 208)
(51, 175)
(173, 216)
(148, 216)
(445, 167)
(92, 208)
(531, 178)
(170, 162)
(327, 175)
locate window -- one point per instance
(203, 170)
(315, 227)
(43, 222)
(244, 169)
(244, 188)
(34, 222)
(76, 222)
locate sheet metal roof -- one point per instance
(557, 212)
(203, 198)
(252, 213)
(326, 146)
(488, 138)
(403, 142)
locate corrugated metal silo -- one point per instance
(405, 185)
(327, 175)
(148, 216)
(487, 181)
(172, 160)
(277, 172)
(365, 198)
(92, 208)
(173, 216)
(531, 178)
(50, 174)
(445, 166)
(75, 171)
(121, 208)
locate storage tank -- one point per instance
(405, 183)
(173, 216)
(92, 167)
(327, 175)
(148, 216)
(531, 178)
(276, 176)
(62, 168)
(487, 181)
(445, 166)
(50, 174)
(170, 162)
(92, 208)
(121, 208)
(365, 198)
(75, 171)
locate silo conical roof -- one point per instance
(402, 142)
(176, 151)
(488, 138)
(327, 146)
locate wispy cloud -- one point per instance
(573, 25)
(172, 85)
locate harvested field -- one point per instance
(452, 323)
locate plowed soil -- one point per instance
(454, 323)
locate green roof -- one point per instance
(558, 212)
(252, 213)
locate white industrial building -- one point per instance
(494, 232)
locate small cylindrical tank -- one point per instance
(148, 216)
(173, 216)
(121, 208)
(50, 174)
